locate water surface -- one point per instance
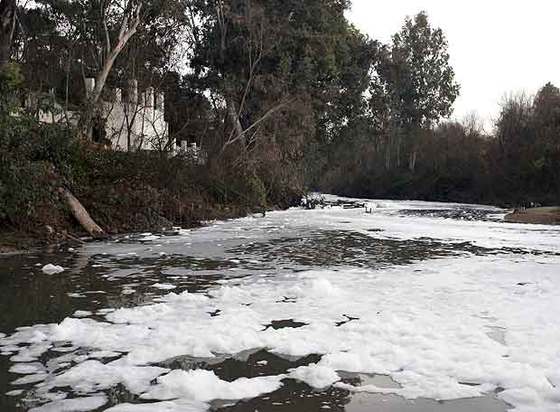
(142, 270)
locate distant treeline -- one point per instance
(518, 164)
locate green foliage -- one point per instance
(11, 79)
(303, 57)
(422, 79)
(29, 156)
(123, 191)
(518, 165)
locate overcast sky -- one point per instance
(496, 46)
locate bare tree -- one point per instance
(130, 20)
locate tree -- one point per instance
(418, 83)
(119, 23)
(112, 41)
(257, 55)
(8, 9)
(546, 152)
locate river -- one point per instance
(408, 306)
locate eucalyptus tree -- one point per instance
(415, 78)
(270, 62)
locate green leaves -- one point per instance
(10, 81)
(416, 75)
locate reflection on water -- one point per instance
(28, 296)
(294, 397)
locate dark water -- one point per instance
(123, 274)
(91, 283)
(455, 213)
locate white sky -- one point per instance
(496, 46)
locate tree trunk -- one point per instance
(93, 100)
(398, 150)
(82, 215)
(236, 123)
(129, 26)
(414, 137)
(388, 149)
(412, 160)
(8, 10)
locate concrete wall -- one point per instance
(143, 127)
(137, 123)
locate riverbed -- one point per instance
(355, 306)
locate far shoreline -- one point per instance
(537, 215)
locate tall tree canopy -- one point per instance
(413, 86)
(422, 79)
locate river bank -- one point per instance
(537, 215)
(71, 234)
(122, 192)
(48, 174)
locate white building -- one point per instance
(136, 122)
(127, 122)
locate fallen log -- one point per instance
(82, 215)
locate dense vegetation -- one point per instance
(282, 96)
(401, 146)
(256, 84)
(516, 165)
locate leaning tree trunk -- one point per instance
(82, 215)
(8, 10)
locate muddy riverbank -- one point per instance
(538, 215)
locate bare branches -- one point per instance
(255, 52)
(257, 123)
(130, 21)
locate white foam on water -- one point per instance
(28, 379)
(316, 376)
(82, 314)
(73, 405)
(27, 368)
(424, 325)
(149, 238)
(93, 376)
(164, 286)
(204, 386)
(51, 269)
(167, 406)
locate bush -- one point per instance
(34, 161)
